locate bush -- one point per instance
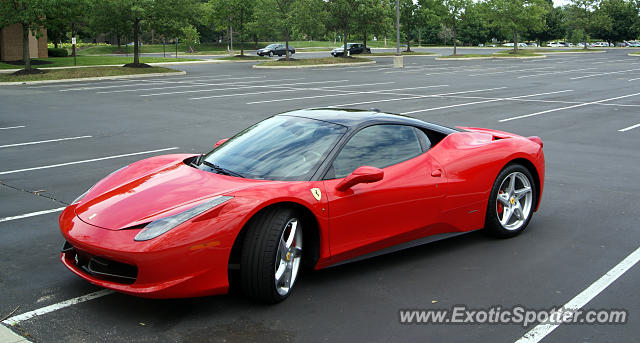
(60, 52)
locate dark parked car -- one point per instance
(354, 48)
(276, 49)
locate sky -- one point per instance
(560, 2)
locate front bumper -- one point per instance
(159, 268)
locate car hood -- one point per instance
(152, 189)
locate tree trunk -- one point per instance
(408, 38)
(118, 40)
(255, 41)
(455, 41)
(364, 41)
(287, 43)
(25, 48)
(136, 48)
(344, 42)
(584, 39)
(55, 44)
(515, 41)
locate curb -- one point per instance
(383, 56)
(632, 54)
(520, 57)
(116, 77)
(463, 58)
(575, 52)
(8, 336)
(112, 65)
(257, 66)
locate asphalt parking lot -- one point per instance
(56, 140)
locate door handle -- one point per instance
(436, 173)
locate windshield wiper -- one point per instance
(221, 170)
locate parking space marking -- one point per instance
(240, 94)
(604, 74)
(638, 78)
(556, 72)
(384, 91)
(196, 85)
(541, 330)
(12, 127)
(45, 141)
(32, 214)
(483, 102)
(85, 161)
(163, 81)
(566, 108)
(629, 128)
(418, 97)
(28, 315)
(512, 71)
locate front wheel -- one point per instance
(511, 203)
(270, 53)
(271, 255)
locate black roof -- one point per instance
(353, 118)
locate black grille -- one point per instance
(100, 267)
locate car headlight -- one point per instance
(160, 226)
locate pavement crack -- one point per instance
(37, 193)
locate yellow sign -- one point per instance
(316, 193)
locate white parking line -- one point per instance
(604, 74)
(167, 81)
(511, 71)
(555, 72)
(197, 85)
(566, 108)
(85, 161)
(28, 315)
(32, 214)
(12, 127)
(542, 330)
(629, 128)
(418, 97)
(245, 87)
(484, 101)
(46, 141)
(638, 78)
(341, 94)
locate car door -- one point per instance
(401, 207)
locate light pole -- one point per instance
(397, 59)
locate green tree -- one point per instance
(237, 13)
(517, 16)
(370, 18)
(67, 16)
(474, 27)
(343, 14)
(455, 11)
(624, 20)
(583, 15)
(409, 15)
(310, 18)
(31, 15)
(191, 37)
(110, 17)
(280, 14)
(554, 27)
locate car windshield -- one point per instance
(271, 46)
(279, 148)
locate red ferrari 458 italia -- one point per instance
(316, 188)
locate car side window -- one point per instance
(378, 146)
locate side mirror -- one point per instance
(220, 142)
(363, 174)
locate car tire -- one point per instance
(270, 53)
(271, 258)
(511, 203)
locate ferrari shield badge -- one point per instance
(316, 193)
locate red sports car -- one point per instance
(317, 187)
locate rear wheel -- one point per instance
(511, 202)
(271, 255)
